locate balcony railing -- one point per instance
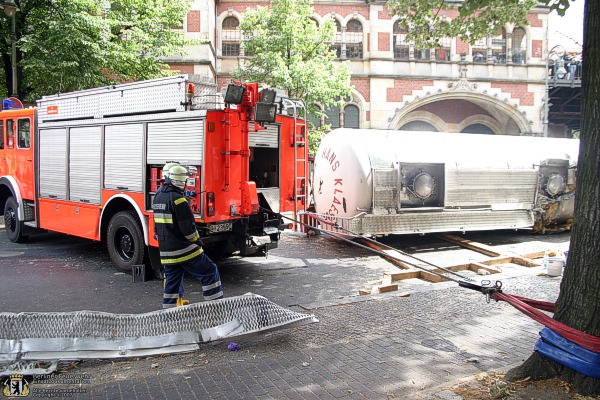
(564, 72)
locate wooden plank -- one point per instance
(393, 256)
(432, 277)
(459, 267)
(468, 244)
(475, 266)
(526, 262)
(399, 276)
(534, 255)
(384, 288)
(498, 260)
(414, 274)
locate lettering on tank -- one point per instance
(330, 156)
(338, 202)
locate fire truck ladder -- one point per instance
(297, 107)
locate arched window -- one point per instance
(230, 37)
(337, 45)
(351, 116)
(354, 39)
(400, 45)
(519, 46)
(442, 53)
(418, 126)
(499, 47)
(479, 51)
(332, 114)
(478, 128)
(423, 54)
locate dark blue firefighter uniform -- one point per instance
(161, 187)
(180, 246)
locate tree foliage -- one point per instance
(66, 45)
(291, 52)
(476, 18)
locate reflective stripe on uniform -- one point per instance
(179, 201)
(212, 286)
(169, 305)
(170, 296)
(193, 237)
(163, 218)
(214, 296)
(191, 247)
(181, 259)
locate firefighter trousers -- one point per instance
(201, 268)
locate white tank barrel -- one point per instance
(406, 181)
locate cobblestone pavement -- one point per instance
(377, 347)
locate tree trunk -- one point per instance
(578, 304)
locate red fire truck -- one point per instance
(88, 163)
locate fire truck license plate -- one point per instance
(220, 227)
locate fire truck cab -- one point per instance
(88, 164)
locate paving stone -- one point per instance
(363, 347)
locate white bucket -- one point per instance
(554, 265)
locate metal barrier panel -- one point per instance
(92, 334)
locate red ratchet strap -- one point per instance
(526, 306)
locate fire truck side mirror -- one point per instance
(234, 94)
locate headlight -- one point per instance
(555, 185)
(423, 185)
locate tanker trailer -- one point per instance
(378, 182)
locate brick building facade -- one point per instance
(496, 85)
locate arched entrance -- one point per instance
(465, 112)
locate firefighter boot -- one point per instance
(181, 302)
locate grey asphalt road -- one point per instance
(55, 272)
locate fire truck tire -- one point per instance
(14, 227)
(125, 241)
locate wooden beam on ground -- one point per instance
(534, 255)
(525, 261)
(459, 267)
(393, 256)
(475, 266)
(412, 274)
(384, 288)
(468, 244)
(498, 260)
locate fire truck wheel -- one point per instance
(125, 241)
(14, 227)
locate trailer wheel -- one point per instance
(125, 242)
(14, 227)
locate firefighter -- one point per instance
(179, 242)
(165, 179)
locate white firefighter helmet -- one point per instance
(166, 169)
(178, 176)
